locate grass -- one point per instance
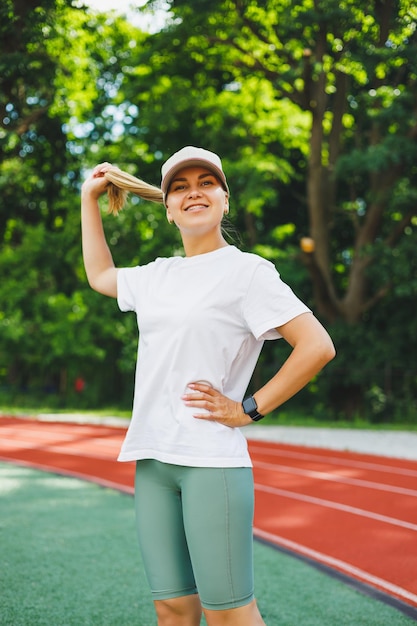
(37, 408)
(295, 419)
(69, 558)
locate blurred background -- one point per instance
(313, 109)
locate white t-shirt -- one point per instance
(200, 318)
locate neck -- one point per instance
(199, 245)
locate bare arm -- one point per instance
(312, 349)
(98, 261)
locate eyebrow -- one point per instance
(177, 178)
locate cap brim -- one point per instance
(171, 173)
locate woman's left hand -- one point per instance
(216, 407)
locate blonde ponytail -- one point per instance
(123, 183)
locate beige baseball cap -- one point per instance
(191, 157)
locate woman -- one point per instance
(202, 320)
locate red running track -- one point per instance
(354, 513)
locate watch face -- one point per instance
(250, 406)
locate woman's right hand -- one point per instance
(95, 185)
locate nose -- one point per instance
(194, 192)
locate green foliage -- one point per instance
(57, 66)
(312, 108)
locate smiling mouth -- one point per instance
(196, 207)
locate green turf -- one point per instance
(69, 558)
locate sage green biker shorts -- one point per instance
(195, 532)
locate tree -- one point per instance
(347, 74)
(59, 67)
(352, 70)
(312, 107)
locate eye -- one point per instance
(209, 182)
(178, 186)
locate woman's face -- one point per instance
(196, 200)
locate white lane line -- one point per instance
(338, 564)
(332, 460)
(59, 449)
(358, 482)
(335, 505)
(52, 469)
(12, 437)
(43, 444)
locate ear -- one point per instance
(169, 217)
(226, 204)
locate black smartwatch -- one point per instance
(251, 408)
